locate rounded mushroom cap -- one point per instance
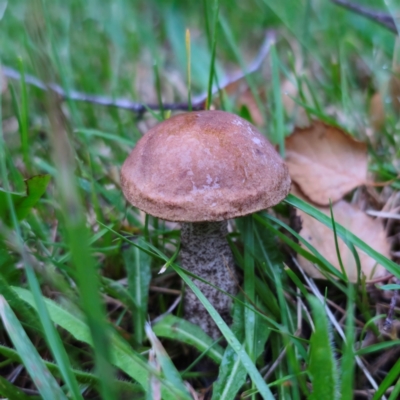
(204, 166)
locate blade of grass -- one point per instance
(213, 52)
(137, 264)
(232, 374)
(105, 135)
(377, 347)
(344, 86)
(322, 364)
(207, 24)
(249, 289)
(392, 376)
(356, 259)
(279, 134)
(189, 64)
(24, 117)
(158, 88)
(339, 256)
(348, 363)
(44, 381)
(249, 285)
(396, 391)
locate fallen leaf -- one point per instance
(35, 189)
(325, 162)
(368, 229)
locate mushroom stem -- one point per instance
(206, 253)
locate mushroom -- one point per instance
(202, 169)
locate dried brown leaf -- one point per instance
(154, 383)
(367, 229)
(325, 162)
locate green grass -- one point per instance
(83, 307)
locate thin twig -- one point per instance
(381, 214)
(15, 373)
(139, 108)
(381, 18)
(275, 364)
(368, 393)
(99, 100)
(165, 290)
(169, 311)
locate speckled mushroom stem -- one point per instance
(206, 253)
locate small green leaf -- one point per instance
(35, 188)
(231, 378)
(390, 286)
(175, 328)
(24, 310)
(322, 363)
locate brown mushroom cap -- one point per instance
(204, 166)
